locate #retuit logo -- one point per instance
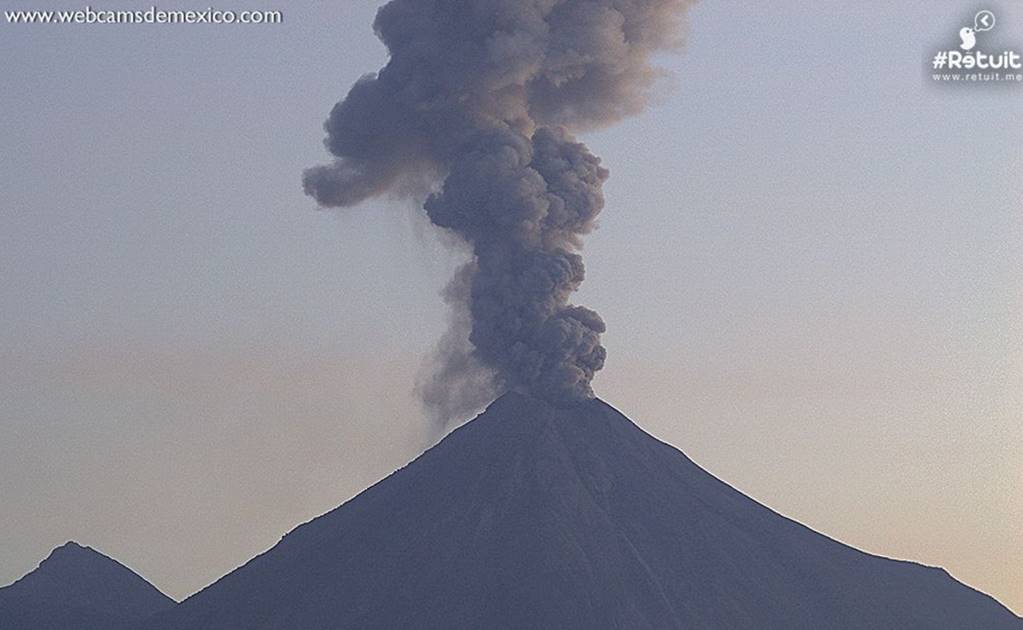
(971, 60)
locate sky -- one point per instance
(810, 264)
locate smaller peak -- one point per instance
(81, 579)
(71, 547)
(72, 554)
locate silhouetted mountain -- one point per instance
(557, 518)
(78, 588)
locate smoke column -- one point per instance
(482, 96)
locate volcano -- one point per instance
(535, 516)
(78, 588)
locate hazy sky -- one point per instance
(810, 263)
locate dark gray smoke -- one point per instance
(485, 93)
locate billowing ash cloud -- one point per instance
(484, 95)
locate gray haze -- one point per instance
(487, 94)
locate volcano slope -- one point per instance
(533, 516)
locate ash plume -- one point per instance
(484, 95)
